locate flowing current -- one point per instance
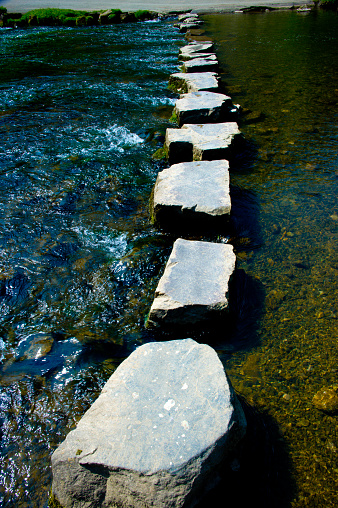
(81, 112)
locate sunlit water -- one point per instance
(282, 68)
(82, 110)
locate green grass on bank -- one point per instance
(70, 17)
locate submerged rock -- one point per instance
(195, 285)
(326, 400)
(164, 421)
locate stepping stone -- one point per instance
(210, 56)
(190, 194)
(188, 25)
(194, 287)
(163, 426)
(182, 17)
(202, 107)
(193, 48)
(200, 65)
(194, 81)
(201, 142)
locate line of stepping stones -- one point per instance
(168, 416)
(194, 191)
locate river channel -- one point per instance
(81, 112)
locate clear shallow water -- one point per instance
(282, 68)
(81, 112)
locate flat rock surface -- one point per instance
(202, 107)
(201, 141)
(199, 188)
(193, 48)
(167, 412)
(195, 81)
(200, 65)
(195, 284)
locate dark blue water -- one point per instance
(81, 112)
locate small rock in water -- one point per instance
(326, 399)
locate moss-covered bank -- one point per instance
(69, 17)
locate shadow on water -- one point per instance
(259, 473)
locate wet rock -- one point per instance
(35, 346)
(326, 399)
(194, 81)
(191, 194)
(274, 299)
(187, 15)
(201, 142)
(194, 287)
(187, 51)
(189, 24)
(164, 421)
(202, 107)
(104, 17)
(207, 64)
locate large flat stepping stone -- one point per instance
(194, 288)
(190, 50)
(201, 141)
(191, 194)
(190, 23)
(164, 421)
(182, 17)
(202, 107)
(194, 81)
(207, 64)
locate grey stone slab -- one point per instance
(194, 81)
(201, 141)
(202, 107)
(190, 194)
(210, 56)
(207, 64)
(188, 25)
(194, 287)
(195, 47)
(163, 423)
(182, 17)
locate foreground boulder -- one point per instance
(163, 423)
(194, 288)
(202, 107)
(192, 195)
(202, 142)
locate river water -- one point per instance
(82, 110)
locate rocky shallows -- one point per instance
(201, 141)
(202, 107)
(194, 288)
(192, 195)
(164, 421)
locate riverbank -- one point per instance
(164, 6)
